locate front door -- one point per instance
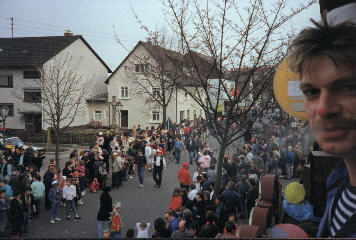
(124, 118)
(33, 123)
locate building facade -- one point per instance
(20, 59)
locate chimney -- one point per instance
(68, 33)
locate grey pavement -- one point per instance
(137, 205)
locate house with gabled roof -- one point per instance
(19, 61)
(136, 109)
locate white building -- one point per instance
(19, 59)
(136, 110)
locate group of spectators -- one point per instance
(193, 206)
(196, 211)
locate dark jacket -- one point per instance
(105, 207)
(140, 161)
(15, 214)
(48, 178)
(335, 181)
(191, 146)
(230, 199)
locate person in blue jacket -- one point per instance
(325, 58)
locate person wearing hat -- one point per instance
(324, 56)
(159, 164)
(54, 197)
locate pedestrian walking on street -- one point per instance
(178, 146)
(140, 162)
(184, 176)
(159, 164)
(105, 210)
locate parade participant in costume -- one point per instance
(116, 223)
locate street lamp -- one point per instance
(4, 112)
(119, 106)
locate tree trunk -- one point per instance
(57, 149)
(164, 120)
(48, 145)
(217, 186)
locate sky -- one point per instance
(98, 21)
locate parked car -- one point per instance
(16, 141)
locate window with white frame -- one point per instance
(106, 114)
(97, 115)
(155, 93)
(188, 114)
(155, 116)
(124, 93)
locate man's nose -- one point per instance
(328, 104)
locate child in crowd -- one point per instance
(142, 229)
(103, 175)
(80, 168)
(54, 197)
(116, 224)
(61, 186)
(95, 185)
(78, 197)
(69, 193)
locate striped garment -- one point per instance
(345, 208)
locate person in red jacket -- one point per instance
(176, 201)
(95, 185)
(184, 176)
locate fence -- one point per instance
(66, 138)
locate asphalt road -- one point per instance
(137, 205)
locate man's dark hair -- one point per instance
(230, 226)
(130, 233)
(338, 43)
(159, 225)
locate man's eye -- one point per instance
(310, 92)
(346, 89)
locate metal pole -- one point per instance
(12, 27)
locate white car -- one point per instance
(16, 141)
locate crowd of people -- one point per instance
(119, 156)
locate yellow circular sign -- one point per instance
(287, 92)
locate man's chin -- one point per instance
(338, 148)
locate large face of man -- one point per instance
(330, 101)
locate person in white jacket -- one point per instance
(69, 193)
(148, 152)
(142, 229)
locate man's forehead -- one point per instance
(326, 72)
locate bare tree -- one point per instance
(242, 35)
(62, 94)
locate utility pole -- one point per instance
(12, 26)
